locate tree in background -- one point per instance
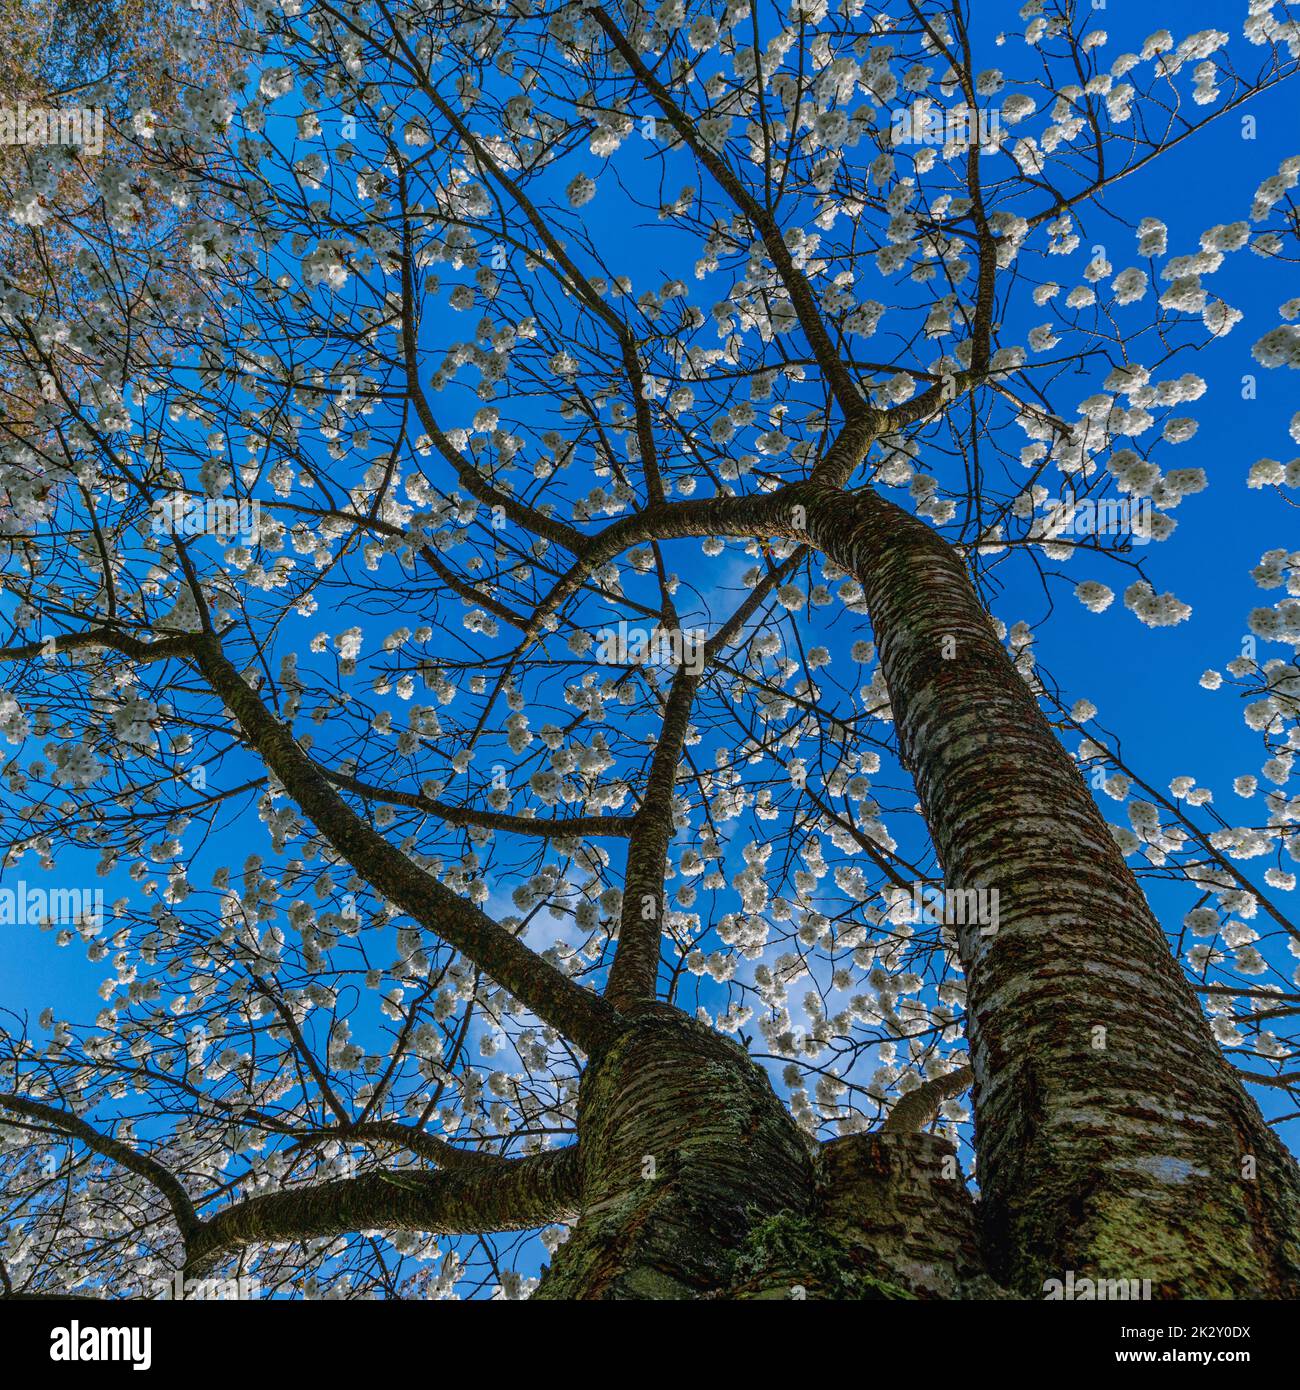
(121, 59)
(503, 606)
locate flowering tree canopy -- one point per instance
(525, 528)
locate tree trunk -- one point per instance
(683, 1147)
(697, 1184)
(1114, 1140)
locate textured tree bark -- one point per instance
(684, 1149)
(1113, 1139)
(696, 1183)
(492, 1195)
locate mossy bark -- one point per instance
(1113, 1139)
(893, 1219)
(684, 1148)
(696, 1183)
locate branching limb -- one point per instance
(520, 1194)
(581, 1016)
(634, 974)
(129, 1157)
(583, 827)
(920, 1107)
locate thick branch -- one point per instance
(588, 1020)
(918, 1108)
(634, 974)
(583, 827)
(836, 374)
(133, 647)
(517, 1195)
(130, 1158)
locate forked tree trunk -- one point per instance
(697, 1184)
(1114, 1140)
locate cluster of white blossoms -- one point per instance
(581, 190)
(15, 723)
(327, 263)
(75, 765)
(1155, 610)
